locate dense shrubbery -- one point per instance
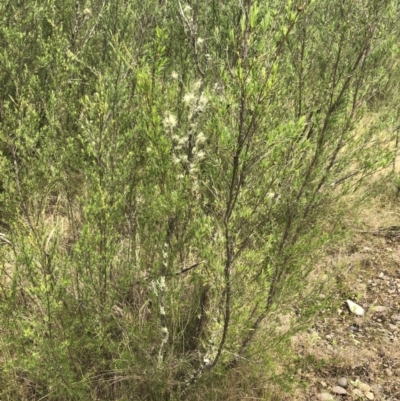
(168, 173)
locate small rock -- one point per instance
(339, 390)
(326, 397)
(323, 384)
(342, 382)
(396, 318)
(354, 327)
(379, 308)
(388, 372)
(370, 396)
(357, 393)
(377, 389)
(364, 387)
(354, 308)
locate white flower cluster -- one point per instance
(196, 102)
(170, 121)
(188, 148)
(188, 145)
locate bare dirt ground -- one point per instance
(360, 353)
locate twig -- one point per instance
(163, 319)
(186, 269)
(4, 239)
(391, 231)
(193, 37)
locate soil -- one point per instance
(363, 350)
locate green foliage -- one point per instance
(170, 173)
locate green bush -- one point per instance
(170, 172)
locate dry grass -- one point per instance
(340, 344)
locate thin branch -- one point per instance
(186, 269)
(192, 38)
(4, 239)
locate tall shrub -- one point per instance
(169, 172)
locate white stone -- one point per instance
(357, 393)
(354, 308)
(326, 397)
(342, 382)
(364, 387)
(339, 390)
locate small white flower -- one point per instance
(182, 141)
(162, 282)
(203, 101)
(174, 75)
(196, 85)
(184, 158)
(175, 159)
(206, 361)
(201, 138)
(170, 121)
(189, 98)
(200, 41)
(200, 155)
